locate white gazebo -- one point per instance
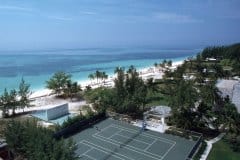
(160, 112)
(155, 118)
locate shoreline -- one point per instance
(144, 72)
(45, 97)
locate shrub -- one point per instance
(35, 142)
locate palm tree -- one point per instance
(169, 63)
(97, 75)
(119, 83)
(13, 100)
(104, 76)
(118, 70)
(8, 101)
(72, 89)
(162, 65)
(101, 76)
(156, 66)
(24, 94)
(91, 77)
(5, 106)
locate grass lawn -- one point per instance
(156, 100)
(222, 151)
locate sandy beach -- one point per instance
(44, 97)
(145, 73)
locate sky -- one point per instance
(52, 24)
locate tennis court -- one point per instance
(115, 140)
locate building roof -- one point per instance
(230, 88)
(227, 84)
(2, 143)
(162, 111)
(236, 96)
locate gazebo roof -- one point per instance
(161, 111)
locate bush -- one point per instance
(35, 142)
(72, 120)
(73, 126)
(178, 133)
(234, 141)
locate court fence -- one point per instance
(195, 136)
(195, 148)
(86, 123)
(120, 117)
(79, 126)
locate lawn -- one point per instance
(222, 151)
(156, 99)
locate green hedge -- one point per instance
(76, 124)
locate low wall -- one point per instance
(57, 111)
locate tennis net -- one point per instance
(123, 144)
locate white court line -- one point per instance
(87, 151)
(89, 156)
(109, 151)
(116, 133)
(146, 135)
(173, 144)
(132, 139)
(97, 149)
(105, 150)
(102, 130)
(137, 150)
(150, 145)
(168, 151)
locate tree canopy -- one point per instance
(58, 82)
(37, 143)
(15, 99)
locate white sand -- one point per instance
(44, 97)
(40, 93)
(145, 73)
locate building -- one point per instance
(236, 96)
(231, 89)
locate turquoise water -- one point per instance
(38, 66)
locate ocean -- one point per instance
(38, 66)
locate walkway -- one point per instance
(209, 145)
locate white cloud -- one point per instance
(88, 12)
(35, 12)
(15, 8)
(175, 18)
(60, 18)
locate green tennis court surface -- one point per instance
(115, 140)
